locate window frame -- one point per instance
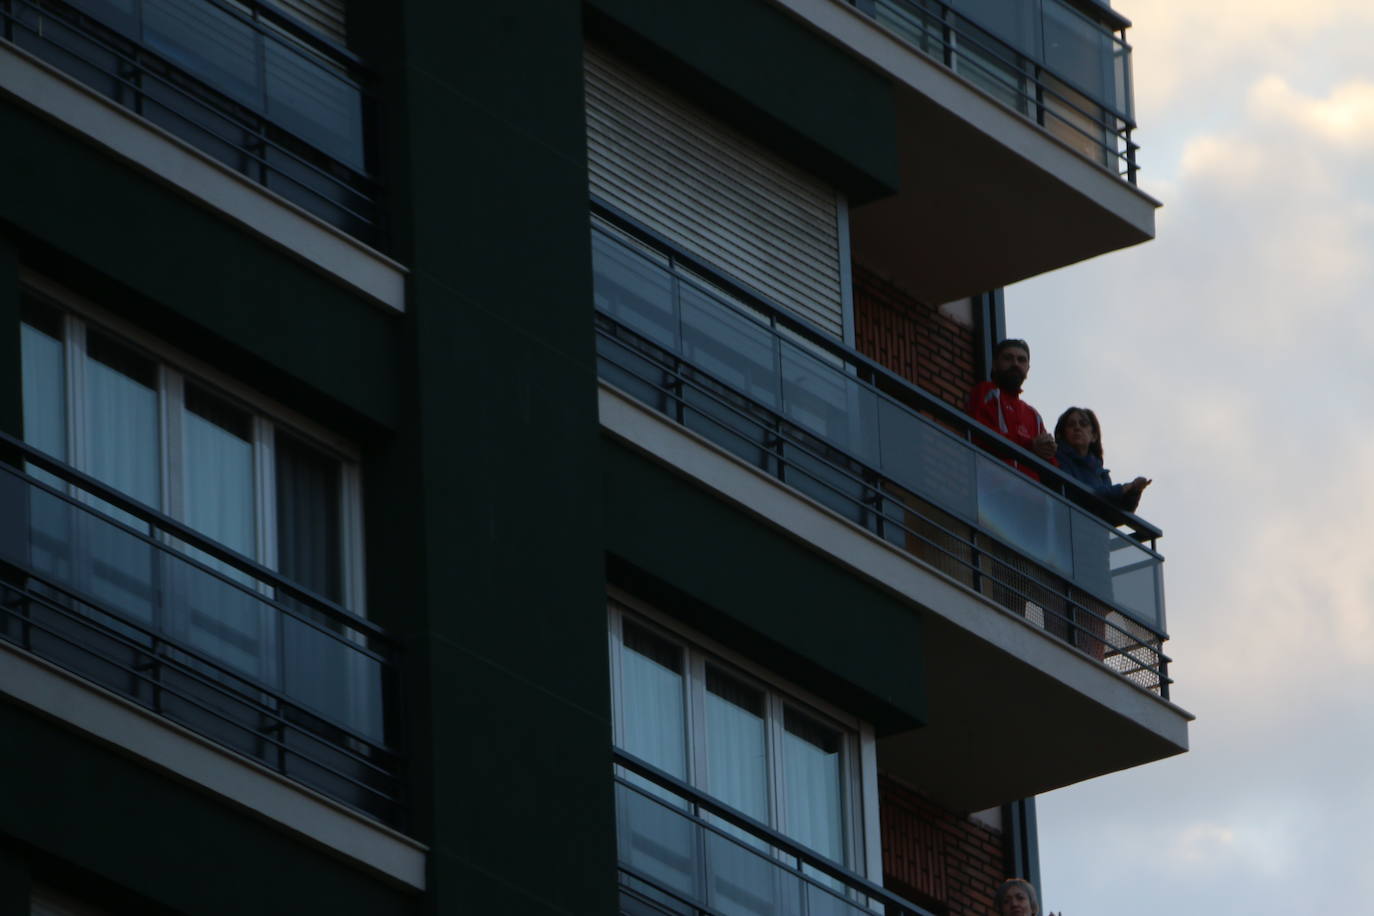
(175, 369)
(858, 757)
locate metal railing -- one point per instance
(889, 457)
(241, 82)
(683, 852)
(146, 607)
(1066, 72)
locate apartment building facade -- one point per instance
(470, 458)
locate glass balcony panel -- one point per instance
(1091, 562)
(925, 459)
(730, 346)
(827, 476)
(822, 902)
(331, 194)
(914, 20)
(314, 102)
(1136, 585)
(658, 842)
(1076, 119)
(1019, 513)
(728, 419)
(209, 43)
(46, 38)
(117, 14)
(1080, 52)
(744, 882)
(632, 372)
(1013, 23)
(634, 291)
(981, 60)
(821, 398)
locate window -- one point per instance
(738, 736)
(216, 457)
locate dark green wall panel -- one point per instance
(97, 810)
(853, 641)
(496, 531)
(139, 248)
(752, 64)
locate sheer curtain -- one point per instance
(814, 797)
(217, 477)
(121, 433)
(653, 836)
(44, 381)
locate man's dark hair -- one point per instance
(1010, 342)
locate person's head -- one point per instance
(1078, 427)
(1016, 897)
(1010, 364)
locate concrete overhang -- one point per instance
(986, 197)
(1012, 710)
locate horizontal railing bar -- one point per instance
(995, 444)
(757, 829)
(183, 533)
(260, 136)
(247, 730)
(154, 638)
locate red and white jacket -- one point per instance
(1005, 412)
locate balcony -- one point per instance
(925, 480)
(142, 606)
(1059, 68)
(242, 82)
(682, 852)
(1015, 133)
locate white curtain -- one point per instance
(217, 479)
(814, 795)
(121, 426)
(45, 428)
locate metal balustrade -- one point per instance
(241, 82)
(847, 433)
(145, 607)
(682, 852)
(1051, 63)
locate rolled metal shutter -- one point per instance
(324, 16)
(722, 197)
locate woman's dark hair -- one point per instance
(1025, 886)
(1096, 447)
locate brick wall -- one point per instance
(936, 858)
(914, 340)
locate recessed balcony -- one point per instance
(241, 82)
(927, 482)
(144, 608)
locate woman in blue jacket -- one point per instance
(1079, 440)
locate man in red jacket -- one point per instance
(997, 404)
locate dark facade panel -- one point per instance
(810, 102)
(75, 801)
(763, 593)
(141, 250)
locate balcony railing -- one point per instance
(856, 438)
(239, 81)
(682, 852)
(138, 603)
(1064, 70)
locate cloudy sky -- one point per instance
(1232, 360)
